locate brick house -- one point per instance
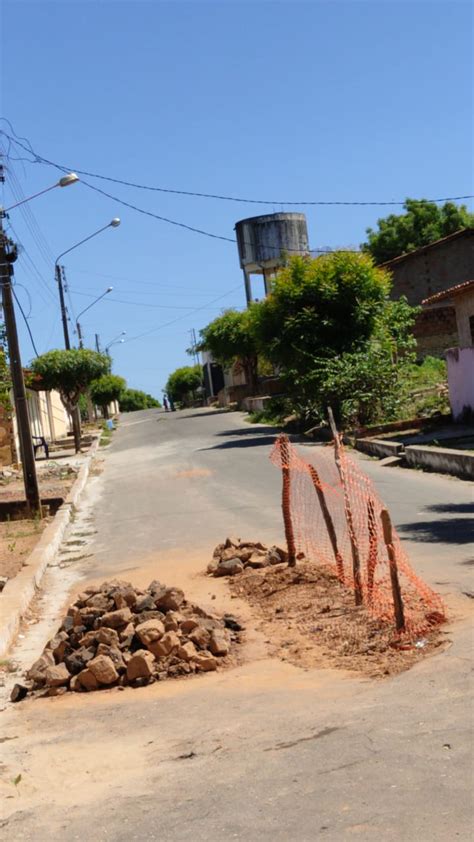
(426, 271)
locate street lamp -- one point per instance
(65, 181)
(116, 341)
(59, 271)
(99, 298)
(7, 258)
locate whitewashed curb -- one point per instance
(18, 592)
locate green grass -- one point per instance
(424, 389)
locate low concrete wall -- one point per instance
(378, 447)
(256, 404)
(443, 460)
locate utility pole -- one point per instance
(79, 335)
(7, 257)
(97, 343)
(193, 346)
(60, 278)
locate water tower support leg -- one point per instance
(248, 288)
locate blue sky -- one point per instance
(292, 101)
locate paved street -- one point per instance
(266, 751)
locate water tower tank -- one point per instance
(265, 241)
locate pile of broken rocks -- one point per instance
(117, 635)
(234, 555)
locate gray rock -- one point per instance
(229, 568)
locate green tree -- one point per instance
(319, 308)
(105, 390)
(422, 223)
(230, 338)
(152, 402)
(132, 400)
(183, 383)
(71, 374)
(365, 385)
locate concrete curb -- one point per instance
(19, 592)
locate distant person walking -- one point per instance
(172, 406)
(165, 404)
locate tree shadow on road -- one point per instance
(249, 431)
(256, 441)
(454, 530)
(458, 508)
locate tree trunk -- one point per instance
(250, 365)
(76, 426)
(105, 411)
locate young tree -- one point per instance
(422, 223)
(230, 338)
(71, 374)
(106, 389)
(183, 382)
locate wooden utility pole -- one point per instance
(7, 258)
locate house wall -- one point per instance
(424, 272)
(464, 306)
(461, 380)
(434, 268)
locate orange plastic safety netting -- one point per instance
(334, 517)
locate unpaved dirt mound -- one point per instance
(311, 620)
(115, 634)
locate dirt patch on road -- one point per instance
(310, 620)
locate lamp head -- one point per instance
(109, 289)
(68, 179)
(115, 222)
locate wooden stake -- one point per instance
(396, 592)
(348, 511)
(327, 520)
(286, 500)
(372, 557)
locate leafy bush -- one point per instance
(184, 382)
(131, 400)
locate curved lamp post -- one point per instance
(117, 340)
(59, 272)
(78, 326)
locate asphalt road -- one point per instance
(266, 751)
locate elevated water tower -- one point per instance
(265, 242)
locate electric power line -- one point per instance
(26, 322)
(180, 318)
(40, 159)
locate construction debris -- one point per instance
(117, 635)
(234, 555)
